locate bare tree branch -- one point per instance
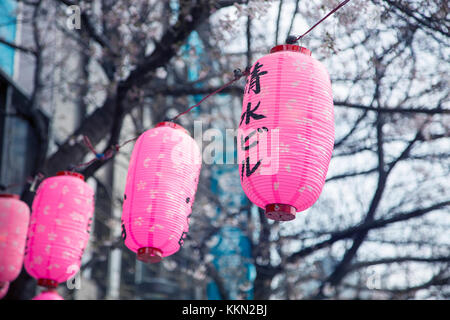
(364, 264)
(18, 47)
(388, 109)
(376, 224)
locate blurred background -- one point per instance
(110, 69)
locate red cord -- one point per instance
(343, 3)
(246, 72)
(237, 75)
(88, 144)
(229, 83)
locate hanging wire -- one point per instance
(29, 180)
(237, 75)
(343, 3)
(88, 144)
(113, 150)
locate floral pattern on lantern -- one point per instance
(286, 132)
(14, 219)
(59, 228)
(160, 191)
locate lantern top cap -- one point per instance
(172, 125)
(290, 47)
(70, 173)
(9, 195)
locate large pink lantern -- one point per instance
(48, 295)
(160, 189)
(14, 219)
(286, 131)
(4, 286)
(59, 229)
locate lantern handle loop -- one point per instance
(291, 39)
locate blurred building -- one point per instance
(30, 128)
(22, 124)
(233, 261)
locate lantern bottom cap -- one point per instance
(9, 195)
(280, 212)
(50, 284)
(149, 255)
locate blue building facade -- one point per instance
(8, 30)
(21, 127)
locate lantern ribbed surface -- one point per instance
(161, 183)
(4, 286)
(14, 219)
(286, 131)
(59, 228)
(48, 295)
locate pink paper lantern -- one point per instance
(48, 295)
(59, 229)
(4, 286)
(160, 189)
(14, 219)
(286, 132)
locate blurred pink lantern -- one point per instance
(160, 189)
(48, 295)
(14, 219)
(4, 286)
(286, 131)
(59, 229)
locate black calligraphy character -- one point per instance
(124, 232)
(246, 164)
(254, 79)
(244, 141)
(26, 247)
(246, 168)
(183, 236)
(81, 255)
(260, 130)
(250, 113)
(88, 229)
(244, 147)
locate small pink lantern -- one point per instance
(14, 219)
(160, 189)
(59, 229)
(4, 286)
(48, 295)
(286, 132)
